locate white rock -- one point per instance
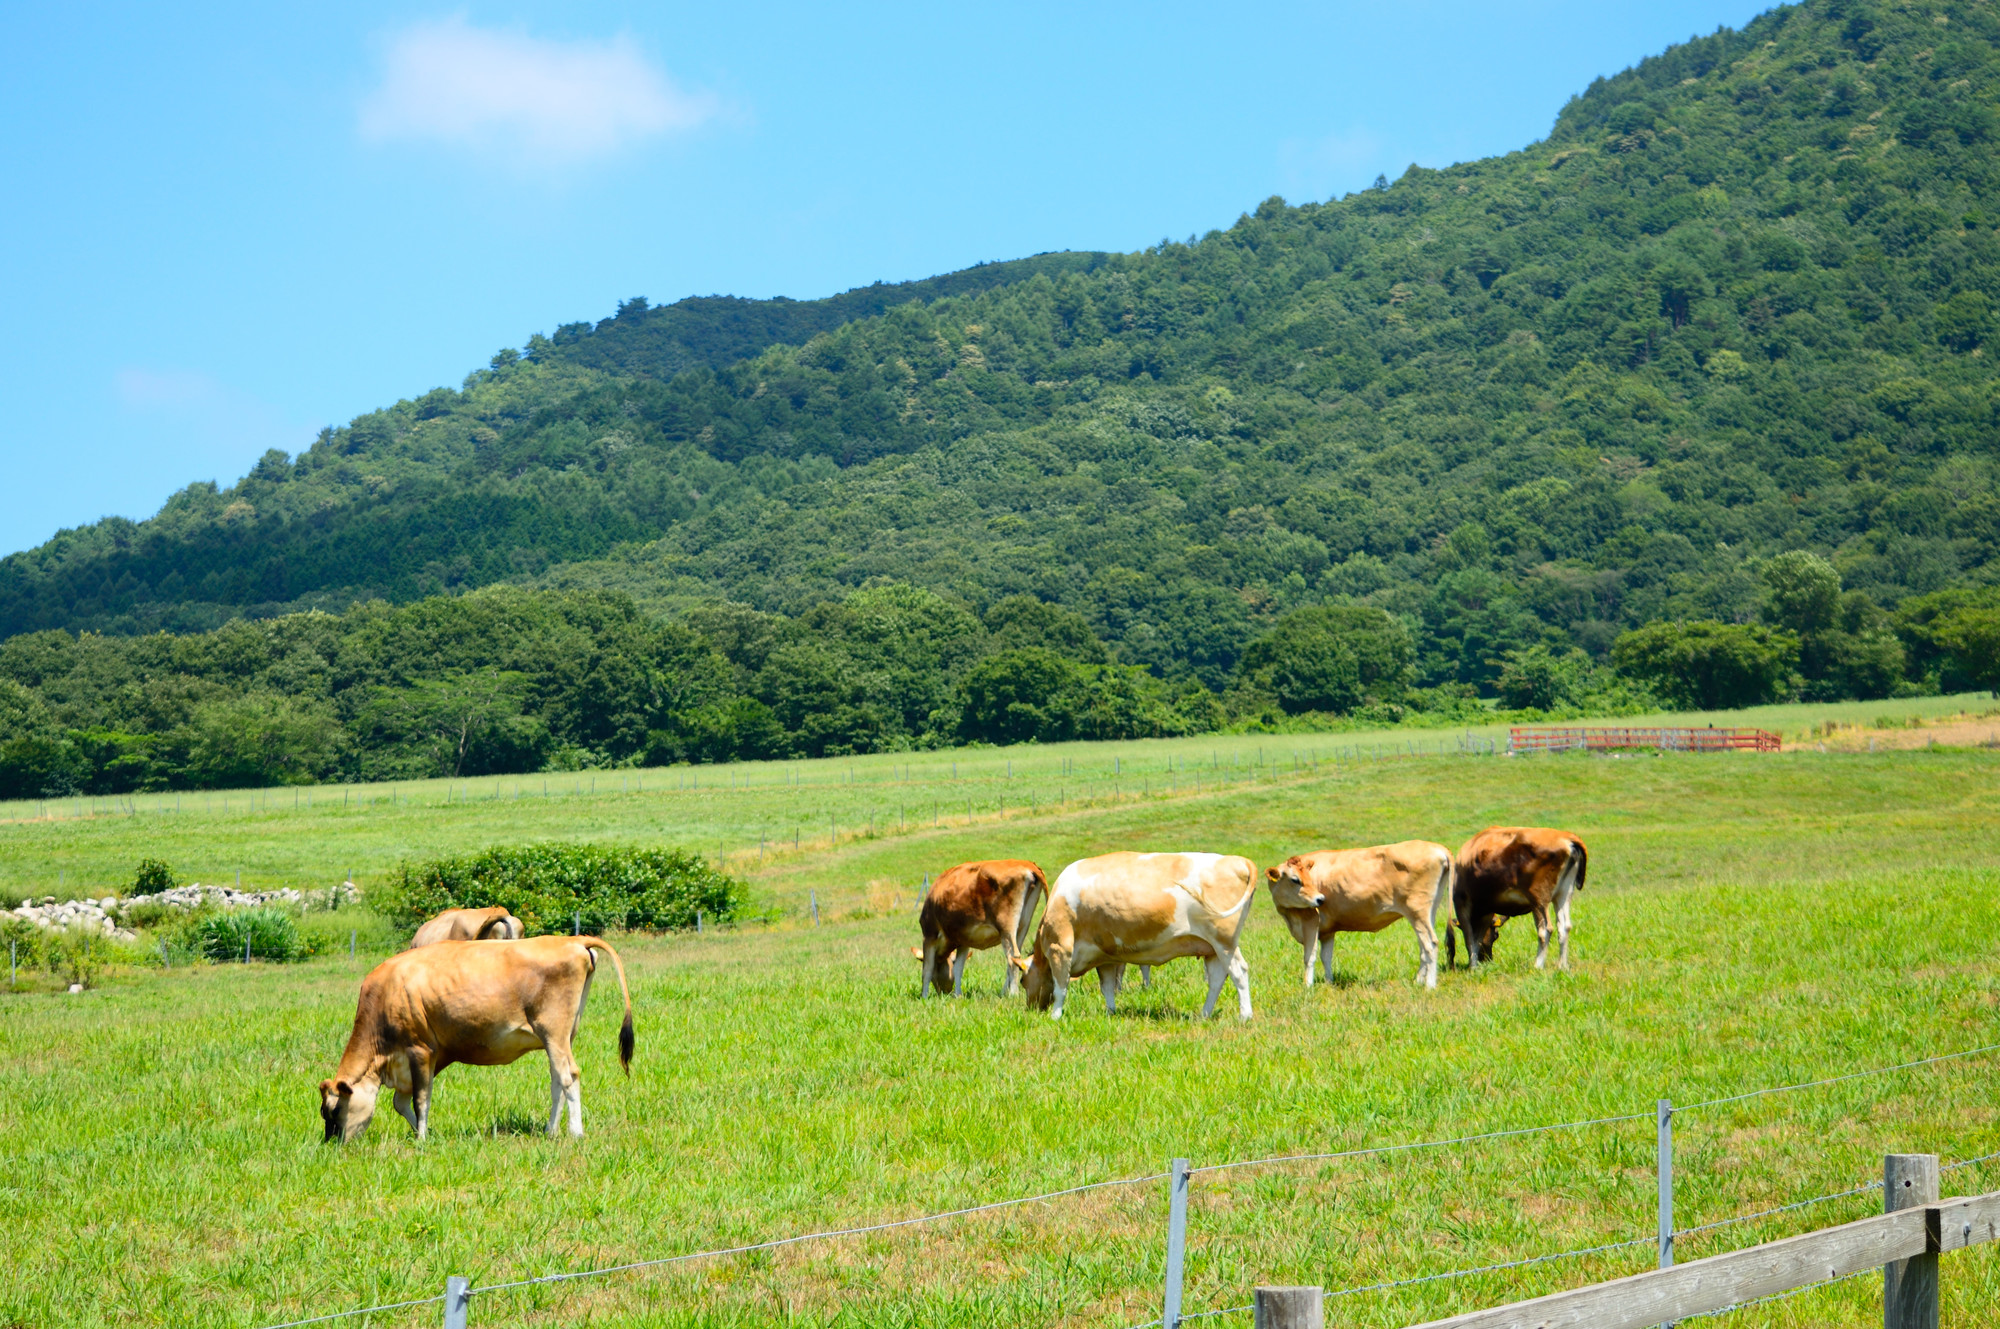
(76, 987)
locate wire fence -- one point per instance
(1180, 1173)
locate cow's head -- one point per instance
(1485, 931)
(345, 1108)
(1289, 889)
(1038, 979)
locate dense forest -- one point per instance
(1692, 401)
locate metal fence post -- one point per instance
(1665, 1168)
(1177, 1189)
(697, 923)
(815, 906)
(457, 1299)
(1289, 1308)
(576, 922)
(351, 938)
(1910, 1287)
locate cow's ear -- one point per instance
(325, 1087)
(1270, 874)
(343, 1088)
(916, 952)
(1021, 962)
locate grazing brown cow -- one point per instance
(973, 907)
(1105, 913)
(466, 1001)
(1365, 890)
(494, 924)
(1506, 871)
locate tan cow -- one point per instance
(1105, 913)
(1332, 891)
(494, 924)
(424, 1009)
(1506, 871)
(974, 907)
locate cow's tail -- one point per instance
(1441, 902)
(1241, 912)
(625, 1030)
(1580, 859)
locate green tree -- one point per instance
(1973, 638)
(1710, 666)
(1541, 679)
(462, 724)
(1331, 658)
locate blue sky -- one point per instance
(228, 229)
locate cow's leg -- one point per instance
(406, 1107)
(958, 971)
(420, 1090)
(565, 1086)
(1110, 977)
(1427, 951)
(929, 969)
(1564, 889)
(1239, 974)
(1217, 970)
(1059, 976)
(1542, 933)
(1145, 975)
(1326, 956)
(1462, 907)
(1312, 957)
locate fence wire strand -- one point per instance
(1781, 1209)
(1777, 1296)
(1421, 1144)
(365, 1310)
(831, 1234)
(813, 1236)
(1837, 1079)
(1969, 1162)
(1491, 1268)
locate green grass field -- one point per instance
(1750, 920)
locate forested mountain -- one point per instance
(1737, 305)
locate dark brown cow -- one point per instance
(973, 907)
(1506, 871)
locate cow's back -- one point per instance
(1130, 894)
(472, 1000)
(1513, 865)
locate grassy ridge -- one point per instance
(312, 836)
(1749, 921)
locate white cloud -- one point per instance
(506, 92)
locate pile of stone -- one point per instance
(85, 915)
(103, 914)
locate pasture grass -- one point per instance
(762, 820)
(1750, 920)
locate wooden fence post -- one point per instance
(1290, 1308)
(1910, 1287)
(1177, 1189)
(456, 1300)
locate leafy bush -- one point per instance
(1710, 666)
(548, 885)
(271, 934)
(152, 877)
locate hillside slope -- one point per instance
(1737, 302)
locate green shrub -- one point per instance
(152, 877)
(271, 934)
(548, 885)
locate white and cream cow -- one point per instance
(1105, 913)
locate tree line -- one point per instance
(508, 680)
(1739, 305)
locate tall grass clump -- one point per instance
(553, 887)
(268, 934)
